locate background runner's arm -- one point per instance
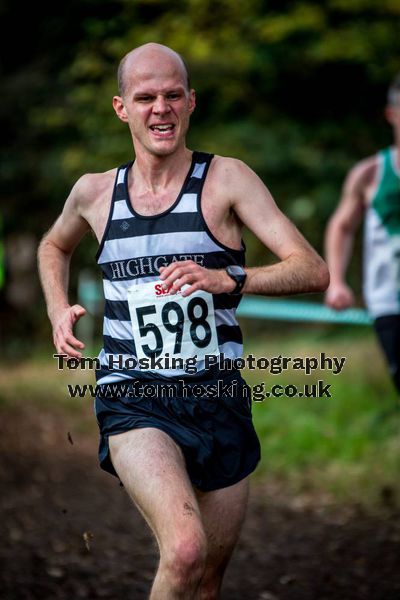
(54, 257)
(340, 237)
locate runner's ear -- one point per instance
(192, 101)
(119, 107)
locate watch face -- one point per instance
(238, 274)
(236, 270)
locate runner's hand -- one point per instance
(177, 274)
(339, 296)
(63, 337)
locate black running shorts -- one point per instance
(388, 332)
(210, 420)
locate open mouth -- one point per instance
(163, 130)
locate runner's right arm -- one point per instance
(54, 255)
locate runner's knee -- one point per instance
(185, 559)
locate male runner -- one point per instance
(372, 189)
(169, 228)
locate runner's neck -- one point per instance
(154, 175)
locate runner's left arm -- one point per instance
(300, 268)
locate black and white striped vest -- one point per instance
(131, 251)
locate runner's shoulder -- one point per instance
(227, 166)
(231, 173)
(362, 174)
(91, 188)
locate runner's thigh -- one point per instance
(223, 513)
(152, 469)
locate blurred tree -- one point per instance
(278, 85)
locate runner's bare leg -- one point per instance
(223, 513)
(152, 468)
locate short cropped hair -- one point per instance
(121, 74)
(393, 96)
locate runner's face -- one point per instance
(158, 104)
(393, 116)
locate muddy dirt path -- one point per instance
(69, 531)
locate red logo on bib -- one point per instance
(160, 291)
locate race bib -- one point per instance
(170, 323)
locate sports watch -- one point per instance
(238, 274)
